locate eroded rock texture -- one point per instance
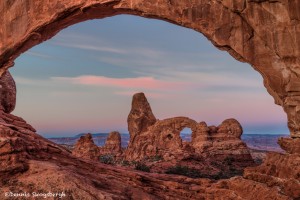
(31, 163)
(211, 150)
(262, 33)
(140, 116)
(112, 144)
(7, 93)
(265, 34)
(86, 148)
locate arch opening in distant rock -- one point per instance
(244, 29)
(186, 134)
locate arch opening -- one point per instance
(246, 44)
(260, 39)
(208, 73)
(186, 134)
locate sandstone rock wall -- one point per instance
(265, 34)
(31, 163)
(140, 116)
(162, 139)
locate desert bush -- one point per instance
(142, 167)
(185, 171)
(125, 163)
(229, 160)
(107, 159)
(156, 158)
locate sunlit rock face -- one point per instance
(211, 150)
(86, 148)
(265, 34)
(112, 144)
(140, 116)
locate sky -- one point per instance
(82, 80)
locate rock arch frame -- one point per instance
(263, 33)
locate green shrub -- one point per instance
(185, 171)
(229, 160)
(156, 158)
(125, 163)
(142, 167)
(107, 159)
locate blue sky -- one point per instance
(82, 80)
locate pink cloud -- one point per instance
(139, 82)
(154, 95)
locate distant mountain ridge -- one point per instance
(264, 142)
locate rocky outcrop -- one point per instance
(278, 170)
(19, 144)
(290, 145)
(140, 116)
(86, 148)
(31, 163)
(112, 144)
(222, 143)
(158, 139)
(264, 33)
(15, 122)
(213, 151)
(7, 93)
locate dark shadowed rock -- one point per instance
(7, 93)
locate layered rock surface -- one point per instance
(264, 33)
(31, 163)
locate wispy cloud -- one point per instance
(132, 83)
(36, 54)
(154, 95)
(95, 44)
(92, 47)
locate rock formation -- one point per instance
(264, 33)
(7, 93)
(140, 116)
(86, 148)
(31, 163)
(278, 170)
(290, 145)
(222, 142)
(112, 144)
(219, 145)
